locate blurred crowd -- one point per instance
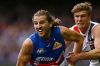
(11, 38)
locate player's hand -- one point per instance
(72, 58)
(71, 65)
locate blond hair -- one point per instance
(86, 6)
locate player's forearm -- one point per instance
(91, 55)
(20, 64)
(78, 45)
(23, 60)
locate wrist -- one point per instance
(80, 56)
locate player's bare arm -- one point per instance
(25, 53)
(95, 53)
(73, 36)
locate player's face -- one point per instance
(82, 19)
(42, 26)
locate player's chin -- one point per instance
(41, 34)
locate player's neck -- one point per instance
(84, 30)
(47, 36)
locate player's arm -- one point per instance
(70, 35)
(25, 53)
(95, 53)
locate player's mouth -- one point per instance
(40, 31)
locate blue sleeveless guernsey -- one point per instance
(45, 52)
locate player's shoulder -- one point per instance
(27, 42)
(63, 28)
(96, 26)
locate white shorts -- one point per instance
(94, 63)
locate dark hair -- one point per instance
(82, 6)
